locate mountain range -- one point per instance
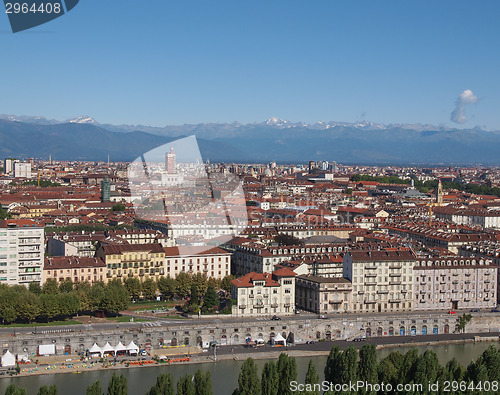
(83, 138)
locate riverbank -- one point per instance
(65, 364)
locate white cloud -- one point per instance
(466, 97)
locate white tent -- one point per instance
(95, 349)
(132, 348)
(8, 359)
(108, 349)
(279, 339)
(120, 347)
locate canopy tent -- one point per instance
(108, 349)
(8, 359)
(95, 349)
(132, 348)
(279, 339)
(120, 348)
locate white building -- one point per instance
(264, 293)
(214, 262)
(21, 252)
(22, 170)
(382, 281)
(455, 283)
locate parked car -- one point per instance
(496, 310)
(475, 311)
(359, 339)
(276, 318)
(185, 315)
(322, 317)
(452, 312)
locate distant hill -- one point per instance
(273, 140)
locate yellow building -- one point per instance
(133, 260)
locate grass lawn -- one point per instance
(153, 305)
(37, 324)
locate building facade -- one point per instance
(133, 260)
(75, 268)
(382, 281)
(214, 262)
(455, 283)
(21, 252)
(323, 295)
(259, 294)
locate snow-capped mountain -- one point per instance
(83, 119)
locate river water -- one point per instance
(224, 373)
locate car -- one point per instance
(185, 315)
(475, 311)
(297, 311)
(322, 317)
(496, 310)
(359, 339)
(452, 312)
(276, 318)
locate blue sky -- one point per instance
(160, 62)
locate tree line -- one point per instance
(341, 367)
(65, 299)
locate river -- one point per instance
(224, 373)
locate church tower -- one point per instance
(439, 193)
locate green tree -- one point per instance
(4, 214)
(462, 322)
(185, 385)
(312, 379)
(34, 287)
(284, 239)
(13, 389)
(50, 287)
(408, 365)
(367, 367)
(287, 372)
(248, 379)
(118, 207)
(95, 389)
(69, 304)
(149, 289)
(115, 299)
(349, 371)
(491, 359)
(270, 379)
(164, 385)
(333, 365)
(8, 303)
(183, 281)
(226, 283)
(427, 368)
(133, 286)
(66, 285)
(96, 295)
(200, 281)
(167, 287)
(388, 369)
(194, 297)
(118, 385)
(49, 306)
(202, 383)
(211, 300)
(29, 306)
(45, 390)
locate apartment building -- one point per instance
(214, 262)
(382, 281)
(133, 260)
(21, 252)
(323, 295)
(258, 294)
(455, 283)
(75, 268)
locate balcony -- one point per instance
(394, 300)
(454, 282)
(394, 282)
(258, 306)
(370, 275)
(335, 301)
(371, 283)
(370, 267)
(370, 301)
(394, 275)
(251, 296)
(383, 291)
(395, 266)
(274, 305)
(242, 306)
